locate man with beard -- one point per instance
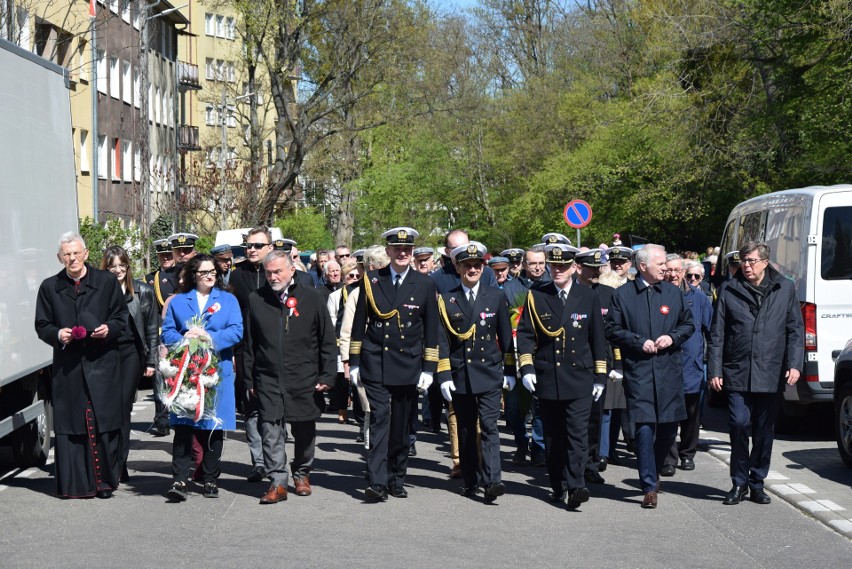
(290, 353)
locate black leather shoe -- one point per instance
(604, 462)
(125, 476)
(398, 492)
(614, 460)
(160, 431)
(377, 493)
(104, 494)
(736, 495)
(177, 493)
(687, 464)
(519, 457)
(494, 491)
(758, 496)
(538, 459)
(556, 497)
(593, 477)
(211, 490)
(412, 450)
(668, 470)
(469, 491)
(256, 475)
(577, 497)
(359, 438)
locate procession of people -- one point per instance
(571, 346)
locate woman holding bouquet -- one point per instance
(202, 311)
(137, 343)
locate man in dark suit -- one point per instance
(562, 354)
(290, 353)
(394, 352)
(81, 313)
(649, 321)
(477, 361)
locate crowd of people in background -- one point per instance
(574, 348)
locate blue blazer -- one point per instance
(226, 329)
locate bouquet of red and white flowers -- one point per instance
(189, 373)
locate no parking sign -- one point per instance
(577, 214)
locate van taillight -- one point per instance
(809, 317)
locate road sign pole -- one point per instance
(578, 237)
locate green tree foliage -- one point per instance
(100, 236)
(307, 228)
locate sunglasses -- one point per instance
(256, 245)
(210, 273)
(691, 276)
(352, 276)
(344, 255)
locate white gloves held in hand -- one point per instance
(424, 382)
(509, 382)
(447, 389)
(529, 382)
(355, 376)
(597, 390)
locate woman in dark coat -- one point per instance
(81, 313)
(198, 295)
(138, 341)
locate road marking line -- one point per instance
(3, 487)
(775, 476)
(831, 505)
(841, 525)
(783, 489)
(801, 488)
(27, 473)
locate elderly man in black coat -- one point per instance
(649, 321)
(756, 348)
(290, 354)
(80, 312)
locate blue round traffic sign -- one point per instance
(577, 214)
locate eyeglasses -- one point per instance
(117, 268)
(352, 276)
(203, 274)
(256, 245)
(693, 276)
(751, 261)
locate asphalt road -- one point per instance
(434, 527)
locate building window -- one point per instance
(137, 89)
(102, 72)
(116, 159)
(158, 97)
(220, 26)
(126, 82)
(210, 69)
(125, 10)
(137, 164)
(210, 115)
(83, 65)
(114, 78)
(209, 25)
(231, 74)
(220, 70)
(230, 28)
(84, 150)
(103, 158)
(127, 160)
(113, 6)
(232, 116)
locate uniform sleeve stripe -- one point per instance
(443, 365)
(526, 360)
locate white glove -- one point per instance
(597, 390)
(529, 382)
(425, 380)
(447, 389)
(509, 382)
(615, 375)
(354, 376)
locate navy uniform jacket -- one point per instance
(447, 278)
(165, 282)
(475, 341)
(395, 333)
(653, 383)
(565, 345)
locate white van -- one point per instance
(809, 232)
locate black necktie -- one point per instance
(470, 297)
(396, 280)
(563, 296)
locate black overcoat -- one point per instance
(564, 345)
(287, 356)
(475, 364)
(83, 369)
(653, 383)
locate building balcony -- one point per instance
(188, 138)
(187, 75)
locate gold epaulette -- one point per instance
(600, 366)
(443, 365)
(383, 315)
(430, 354)
(525, 360)
(616, 354)
(538, 322)
(157, 288)
(354, 348)
(445, 318)
(509, 360)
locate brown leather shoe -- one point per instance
(303, 486)
(275, 494)
(455, 471)
(650, 500)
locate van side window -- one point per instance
(784, 235)
(752, 227)
(836, 262)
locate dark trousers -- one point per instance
(751, 414)
(275, 451)
(689, 428)
(129, 372)
(566, 427)
(436, 405)
(653, 441)
(338, 397)
(211, 441)
(390, 418)
(486, 408)
(594, 442)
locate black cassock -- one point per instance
(86, 381)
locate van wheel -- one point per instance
(843, 422)
(31, 443)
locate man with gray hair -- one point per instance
(648, 321)
(81, 312)
(289, 354)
